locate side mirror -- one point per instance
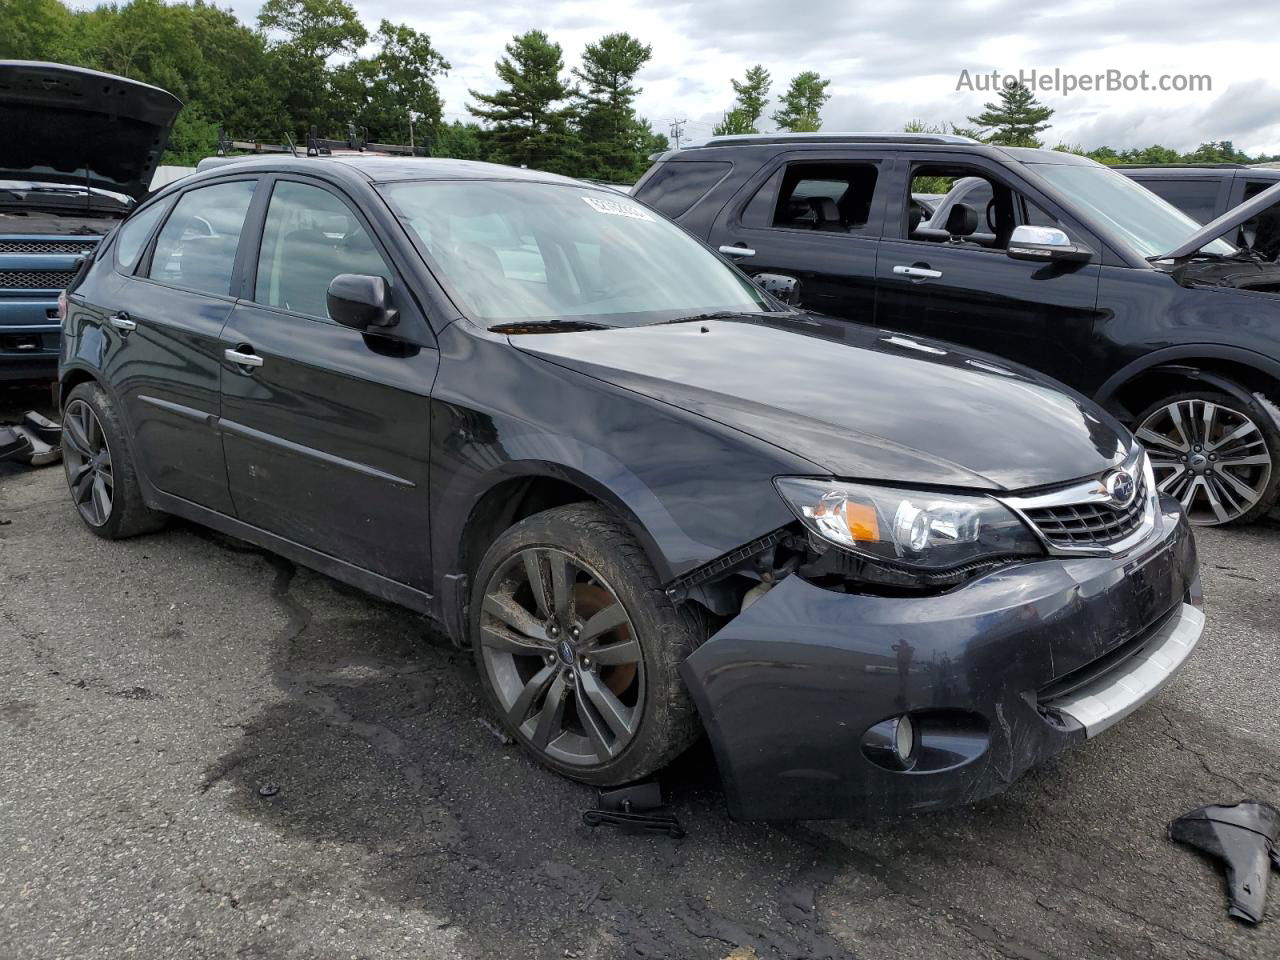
(1045, 245)
(361, 302)
(784, 288)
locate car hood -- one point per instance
(857, 402)
(1224, 224)
(74, 126)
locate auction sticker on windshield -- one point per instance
(616, 209)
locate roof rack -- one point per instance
(357, 141)
(820, 137)
(1202, 166)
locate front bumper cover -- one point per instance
(999, 675)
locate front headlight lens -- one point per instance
(915, 529)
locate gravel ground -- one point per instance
(151, 689)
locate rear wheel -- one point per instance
(578, 647)
(1218, 456)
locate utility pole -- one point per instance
(677, 131)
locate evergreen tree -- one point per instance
(529, 123)
(615, 143)
(752, 93)
(1016, 120)
(802, 104)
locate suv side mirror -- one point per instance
(361, 302)
(1046, 245)
(786, 289)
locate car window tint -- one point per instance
(1262, 233)
(830, 197)
(196, 249)
(310, 237)
(134, 234)
(678, 184)
(1198, 199)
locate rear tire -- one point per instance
(578, 647)
(1218, 456)
(99, 467)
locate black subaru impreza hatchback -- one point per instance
(882, 574)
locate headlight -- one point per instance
(914, 531)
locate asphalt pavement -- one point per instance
(207, 752)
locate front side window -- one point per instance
(134, 234)
(196, 249)
(310, 237)
(509, 251)
(1152, 226)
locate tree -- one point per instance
(615, 143)
(529, 123)
(466, 141)
(382, 91)
(35, 30)
(315, 29)
(752, 93)
(1016, 120)
(802, 104)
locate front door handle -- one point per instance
(734, 250)
(121, 321)
(243, 356)
(917, 273)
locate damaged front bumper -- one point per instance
(995, 676)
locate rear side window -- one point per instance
(134, 234)
(831, 197)
(310, 237)
(678, 184)
(1198, 199)
(196, 249)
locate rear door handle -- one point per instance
(731, 250)
(121, 321)
(917, 273)
(243, 357)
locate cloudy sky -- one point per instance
(892, 61)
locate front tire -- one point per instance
(1218, 456)
(578, 647)
(99, 467)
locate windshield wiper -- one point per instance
(515, 327)
(729, 315)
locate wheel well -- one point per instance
(508, 503)
(1177, 377)
(69, 383)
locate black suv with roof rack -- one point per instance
(1069, 267)
(1205, 191)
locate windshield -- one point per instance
(520, 251)
(1153, 226)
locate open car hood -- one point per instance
(859, 402)
(69, 125)
(1224, 224)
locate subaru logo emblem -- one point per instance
(566, 651)
(1121, 488)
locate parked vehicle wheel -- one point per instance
(578, 647)
(1218, 456)
(99, 468)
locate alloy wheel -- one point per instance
(1212, 458)
(87, 461)
(563, 657)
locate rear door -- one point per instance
(326, 435)
(815, 217)
(162, 336)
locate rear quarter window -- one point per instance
(677, 185)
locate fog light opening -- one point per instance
(904, 740)
(893, 743)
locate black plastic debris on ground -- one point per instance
(634, 809)
(1246, 837)
(36, 440)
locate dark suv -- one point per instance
(1205, 192)
(1065, 265)
(80, 150)
(886, 574)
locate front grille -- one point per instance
(35, 279)
(64, 247)
(1090, 524)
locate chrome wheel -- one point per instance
(1212, 458)
(562, 656)
(87, 461)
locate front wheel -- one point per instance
(1218, 456)
(578, 647)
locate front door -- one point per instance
(325, 427)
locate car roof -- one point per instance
(1178, 171)
(379, 169)
(768, 144)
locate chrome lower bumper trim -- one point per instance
(1115, 695)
